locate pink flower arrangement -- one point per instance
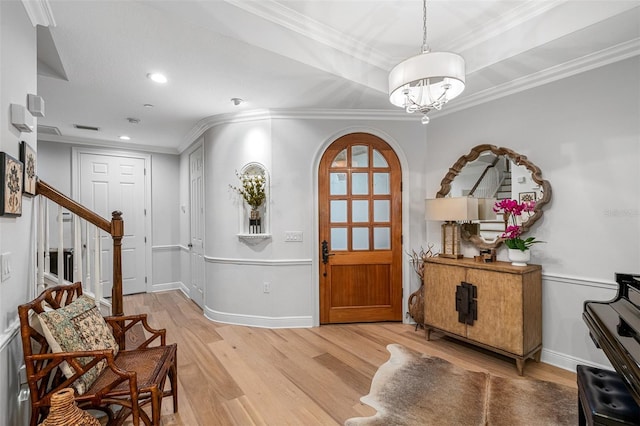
(511, 211)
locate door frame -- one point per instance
(76, 152)
(199, 144)
(315, 261)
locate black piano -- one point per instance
(615, 328)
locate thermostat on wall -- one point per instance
(35, 105)
(20, 119)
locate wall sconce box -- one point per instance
(35, 105)
(20, 119)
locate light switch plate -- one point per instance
(293, 236)
(5, 266)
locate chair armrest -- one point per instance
(124, 323)
(44, 363)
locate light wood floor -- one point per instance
(234, 375)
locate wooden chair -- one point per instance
(132, 379)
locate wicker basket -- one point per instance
(64, 411)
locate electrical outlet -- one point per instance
(266, 287)
(293, 236)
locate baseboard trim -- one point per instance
(177, 285)
(568, 362)
(259, 321)
(259, 262)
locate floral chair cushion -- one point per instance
(78, 327)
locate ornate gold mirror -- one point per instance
(491, 173)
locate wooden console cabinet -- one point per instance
(508, 303)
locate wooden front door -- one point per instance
(360, 231)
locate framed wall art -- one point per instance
(11, 189)
(28, 158)
(527, 196)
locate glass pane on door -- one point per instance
(338, 239)
(381, 238)
(337, 184)
(359, 156)
(378, 159)
(360, 210)
(359, 184)
(340, 160)
(381, 185)
(338, 211)
(360, 238)
(381, 210)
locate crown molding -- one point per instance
(39, 12)
(493, 28)
(604, 57)
(102, 143)
(294, 21)
(301, 114)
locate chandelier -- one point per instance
(426, 81)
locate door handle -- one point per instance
(325, 252)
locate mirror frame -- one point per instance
(519, 160)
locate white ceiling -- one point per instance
(295, 55)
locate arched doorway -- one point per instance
(360, 217)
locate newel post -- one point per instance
(117, 231)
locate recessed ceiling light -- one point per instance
(157, 77)
(237, 101)
(148, 105)
(133, 120)
(125, 137)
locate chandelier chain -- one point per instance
(425, 48)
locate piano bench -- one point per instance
(603, 399)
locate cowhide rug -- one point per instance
(417, 389)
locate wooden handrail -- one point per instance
(115, 228)
(486, 169)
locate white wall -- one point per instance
(54, 167)
(585, 137)
(165, 220)
(17, 79)
(290, 147)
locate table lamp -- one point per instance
(451, 211)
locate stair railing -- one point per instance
(115, 228)
(482, 176)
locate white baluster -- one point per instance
(89, 269)
(47, 247)
(60, 247)
(77, 249)
(42, 202)
(97, 267)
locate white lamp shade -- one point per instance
(441, 68)
(451, 209)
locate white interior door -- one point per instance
(196, 243)
(117, 182)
